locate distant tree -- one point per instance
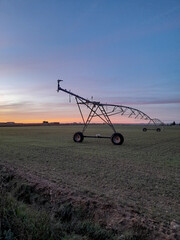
(45, 122)
(173, 123)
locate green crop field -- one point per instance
(144, 172)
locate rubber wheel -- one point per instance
(144, 129)
(158, 129)
(78, 137)
(117, 139)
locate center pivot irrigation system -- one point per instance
(104, 111)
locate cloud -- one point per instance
(14, 106)
(139, 100)
(27, 106)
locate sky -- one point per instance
(124, 52)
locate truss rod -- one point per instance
(89, 118)
(80, 110)
(107, 118)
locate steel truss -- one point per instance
(104, 111)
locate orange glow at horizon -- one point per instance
(37, 120)
(65, 120)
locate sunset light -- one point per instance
(123, 52)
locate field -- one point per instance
(142, 174)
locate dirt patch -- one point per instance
(64, 202)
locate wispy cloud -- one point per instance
(139, 100)
(35, 107)
(14, 106)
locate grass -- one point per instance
(21, 220)
(143, 172)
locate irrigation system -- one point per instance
(104, 111)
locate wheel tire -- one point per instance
(117, 139)
(158, 129)
(78, 137)
(144, 129)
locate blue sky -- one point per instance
(121, 51)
